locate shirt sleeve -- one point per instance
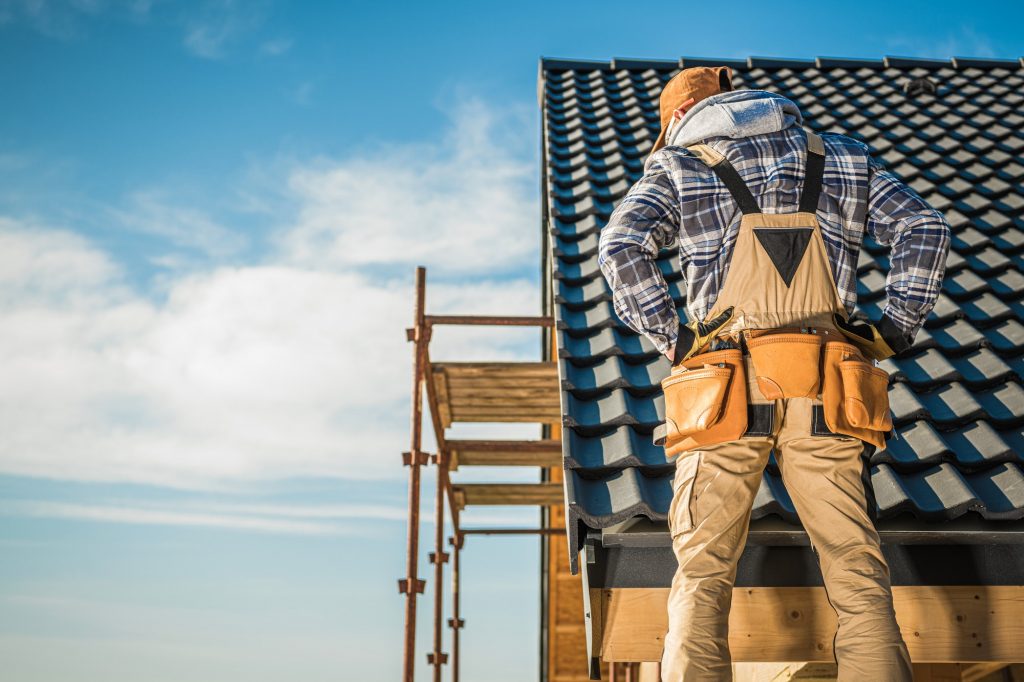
(918, 236)
(644, 222)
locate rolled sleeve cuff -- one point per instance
(897, 334)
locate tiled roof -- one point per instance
(952, 129)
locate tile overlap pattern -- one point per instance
(957, 396)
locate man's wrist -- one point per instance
(684, 342)
(893, 335)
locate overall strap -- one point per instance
(813, 174)
(728, 175)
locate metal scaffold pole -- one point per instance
(474, 392)
(410, 586)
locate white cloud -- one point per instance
(63, 19)
(219, 23)
(302, 94)
(276, 47)
(278, 518)
(210, 28)
(467, 205)
(151, 212)
(153, 517)
(296, 365)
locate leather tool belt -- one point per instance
(707, 400)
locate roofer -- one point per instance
(769, 218)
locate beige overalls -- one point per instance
(779, 276)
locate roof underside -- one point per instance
(957, 397)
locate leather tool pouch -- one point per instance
(854, 394)
(694, 398)
(786, 365)
(866, 395)
(705, 405)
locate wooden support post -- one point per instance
(438, 557)
(455, 622)
(413, 585)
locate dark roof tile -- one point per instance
(957, 396)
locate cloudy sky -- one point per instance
(209, 217)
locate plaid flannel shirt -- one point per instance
(680, 200)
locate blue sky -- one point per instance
(209, 216)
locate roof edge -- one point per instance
(687, 62)
(986, 63)
(779, 63)
(849, 63)
(770, 63)
(558, 63)
(629, 63)
(916, 62)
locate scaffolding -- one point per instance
(521, 392)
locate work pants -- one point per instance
(709, 518)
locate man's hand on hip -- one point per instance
(694, 335)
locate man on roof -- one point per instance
(768, 218)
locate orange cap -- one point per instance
(697, 83)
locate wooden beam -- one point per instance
(496, 391)
(537, 453)
(508, 493)
(941, 624)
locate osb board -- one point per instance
(939, 624)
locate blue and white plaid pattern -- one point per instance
(679, 199)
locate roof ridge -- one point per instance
(888, 62)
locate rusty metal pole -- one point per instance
(455, 622)
(438, 557)
(410, 586)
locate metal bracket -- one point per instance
(411, 585)
(443, 658)
(422, 458)
(410, 333)
(456, 624)
(433, 557)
